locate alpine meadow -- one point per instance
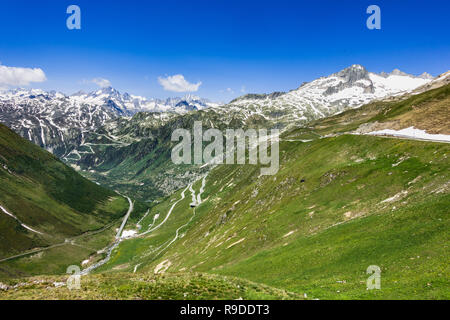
(262, 154)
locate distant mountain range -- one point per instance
(348, 88)
(133, 154)
(56, 122)
(127, 104)
(103, 132)
(122, 104)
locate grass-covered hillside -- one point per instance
(179, 286)
(43, 203)
(339, 203)
(336, 206)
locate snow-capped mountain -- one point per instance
(59, 122)
(56, 121)
(349, 88)
(129, 104)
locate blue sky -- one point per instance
(231, 47)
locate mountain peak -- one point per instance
(397, 72)
(353, 68)
(426, 75)
(190, 96)
(108, 91)
(353, 73)
(356, 67)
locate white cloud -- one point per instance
(14, 76)
(243, 89)
(101, 82)
(177, 83)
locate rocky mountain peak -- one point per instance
(426, 75)
(397, 72)
(353, 73)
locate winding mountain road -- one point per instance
(69, 241)
(168, 213)
(196, 199)
(116, 243)
(125, 219)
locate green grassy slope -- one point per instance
(137, 286)
(364, 201)
(336, 206)
(47, 196)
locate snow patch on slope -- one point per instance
(413, 133)
(22, 224)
